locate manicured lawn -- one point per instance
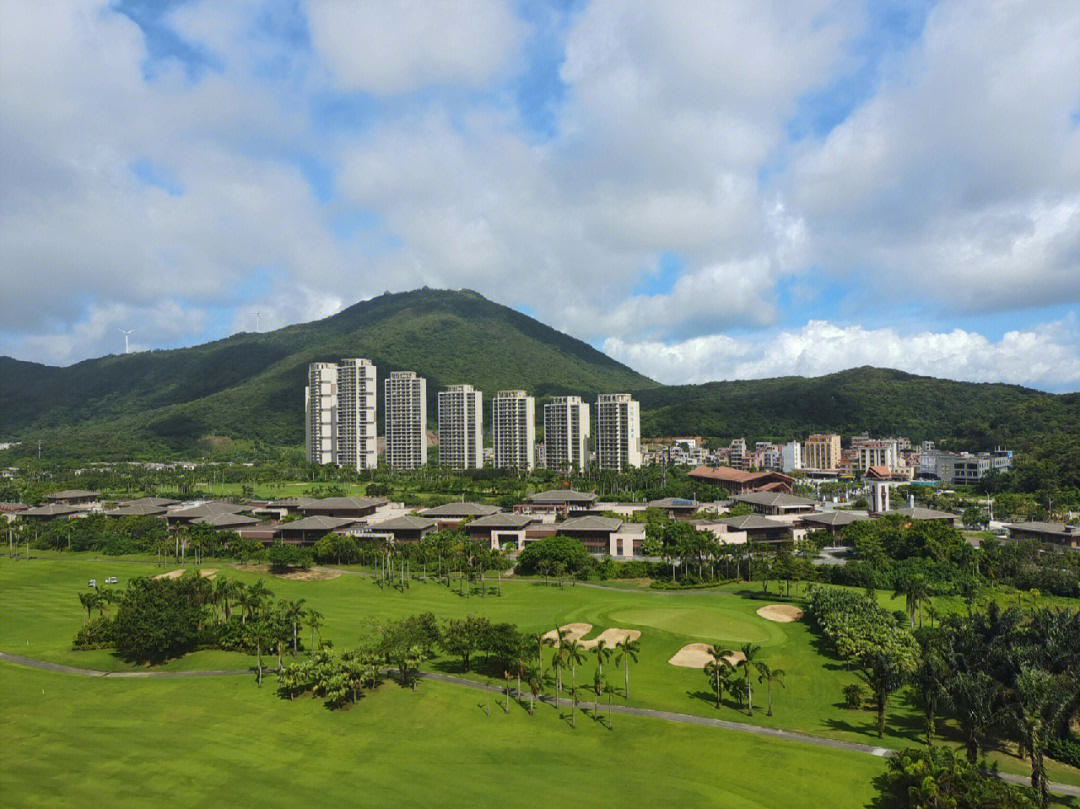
(222, 742)
(42, 614)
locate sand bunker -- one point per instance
(575, 632)
(612, 637)
(311, 574)
(205, 572)
(781, 613)
(696, 656)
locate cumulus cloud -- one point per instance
(318, 153)
(387, 48)
(958, 179)
(1046, 357)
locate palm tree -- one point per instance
(602, 654)
(610, 690)
(294, 614)
(537, 638)
(226, 589)
(259, 632)
(574, 657)
(314, 621)
(598, 689)
(718, 669)
(884, 672)
(770, 677)
(627, 652)
(749, 666)
(573, 705)
(915, 590)
(536, 686)
(89, 601)
(557, 661)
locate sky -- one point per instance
(701, 190)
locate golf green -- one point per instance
(708, 625)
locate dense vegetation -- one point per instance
(243, 392)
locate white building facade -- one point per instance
(618, 432)
(461, 427)
(320, 412)
(357, 438)
(406, 420)
(513, 430)
(791, 456)
(566, 434)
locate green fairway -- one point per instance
(705, 625)
(222, 742)
(42, 614)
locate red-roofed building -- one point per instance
(737, 481)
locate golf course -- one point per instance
(222, 740)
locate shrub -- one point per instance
(282, 557)
(854, 696)
(1067, 751)
(98, 633)
(161, 618)
(552, 549)
(937, 777)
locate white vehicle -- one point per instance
(111, 580)
(92, 583)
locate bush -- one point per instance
(936, 777)
(282, 557)
(161, 618)
(97, 633)
(1067, 751)
(554, 549)
(854, 696)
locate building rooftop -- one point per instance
(209, 509)
(589, 524)
(150, 501)
(343, 503)
(317, 523)
(1054, 528)
(775, 499)
(561, 496)
(752, 522)
(407, 522)
(920, 513)
(835, 518)
(136, 510)
(675, 502)
(49, 510)
(71, 494)
(459, 510)
(736, 475)
(503, 520)
(226, 520)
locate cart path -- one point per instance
(652, 713)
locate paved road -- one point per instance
(670, 716)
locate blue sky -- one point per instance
(704, 191)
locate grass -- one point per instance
(223, 742)
(42, 614)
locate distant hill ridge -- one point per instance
(249, 386)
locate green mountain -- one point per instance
(875, 400)
(249, 387)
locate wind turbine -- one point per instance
(127, 348)
(258, 322)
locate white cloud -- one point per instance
(386, 48)
(1047, 356)
(958, 179)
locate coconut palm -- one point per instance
(294, 614)
(915, 590)
(602, 653)
(770, 677)
(558, 660)
(749, 665)
(598, 689)
(575, 656)
(537, 639)
(536, 686)
(89, 601)
(626, 653)
(718, 669)
(314, 622)
(610, 690)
